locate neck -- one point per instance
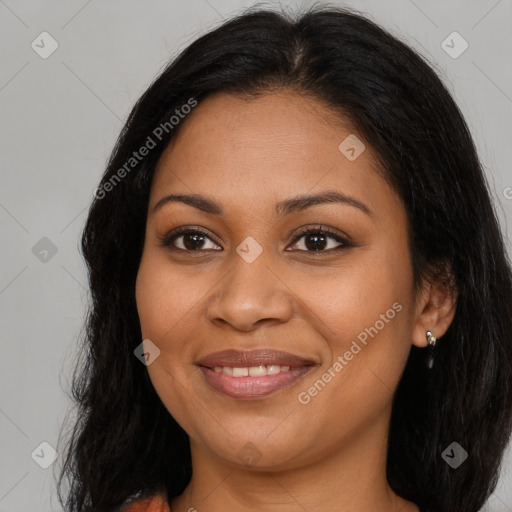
(349, 477)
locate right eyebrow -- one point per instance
(195, 200)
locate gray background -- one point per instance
(61, 116)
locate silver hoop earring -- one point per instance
(432, 343)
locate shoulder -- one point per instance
(156, 503)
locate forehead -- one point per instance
(278, 144)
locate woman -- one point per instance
(301, 295)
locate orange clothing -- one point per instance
(156, 503)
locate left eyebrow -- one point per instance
(301, 202)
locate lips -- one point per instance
(260, 357)
(253, 374)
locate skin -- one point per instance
(247, 156)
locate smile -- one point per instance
(253, 371)
(253, 374)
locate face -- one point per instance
(323, 319)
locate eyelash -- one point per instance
(167, 239)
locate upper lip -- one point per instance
(248, 358)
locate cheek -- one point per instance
(154, 299)
(367, 338)
(364, 312)
(354, 296)
(166, 313)
(163, 304)
(165, 296)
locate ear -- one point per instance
(435, 309)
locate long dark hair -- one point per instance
(125, 443)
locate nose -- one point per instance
(249, 295)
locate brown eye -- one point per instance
(321, 240)
(188, 240)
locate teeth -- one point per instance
(253, 371)
(257, 371)
(273, 368)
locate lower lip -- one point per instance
(253, 387)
